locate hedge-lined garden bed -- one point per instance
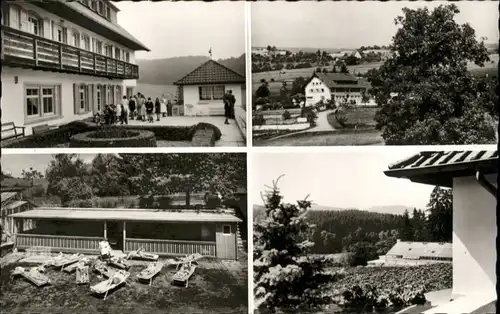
(201, 134)
(114, 137)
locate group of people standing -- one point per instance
(139, 108)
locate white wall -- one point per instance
(315, 96)
(13, 102)
(47, 28)
(474, 234)
(204, 107)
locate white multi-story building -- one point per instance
(63, 61)
(337, 86)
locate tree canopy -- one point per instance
(438, 100)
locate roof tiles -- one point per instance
(211, 72)
(443, 158)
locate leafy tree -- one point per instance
(263, 91)
(160, 174)
(438, 101)
(440, 219)
(343, 68)
(298, 85)
(68, 178)
(31, 174)
(285, 276)
(107, 176)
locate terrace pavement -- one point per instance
(231, 134)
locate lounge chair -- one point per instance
(71, 268)
(105, 249)
(118, 262)
(152, 270)
(66, 260)
(33, 275)
(107, 285)
(82, 274)
(182, 276)
(102, 269)
(139, 254)
(192, 258)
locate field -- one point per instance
(153, 91)
(289, 75)
(214, 288)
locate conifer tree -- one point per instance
(285, 276)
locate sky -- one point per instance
(16, 163)
(174, 29)
(346, 179)
(351, 24)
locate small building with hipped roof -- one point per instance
(201, 91)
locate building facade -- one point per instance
(166, 233)
(472, 176)
(339, 87)
(409, 253)
(63, 61)
(201, 92)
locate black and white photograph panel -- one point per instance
(121, 233)
(374, 73)
(394, 231)
(123, 74)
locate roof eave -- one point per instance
(443, 175)
(207, 83)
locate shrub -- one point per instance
(202, 126)
(258, 119)
(286, 115)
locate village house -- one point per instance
(13, 202)
(340, 87)
(63, 61)
(201, 92)
(260, 51)
(166, 233)
(472, 175)
(405, 253)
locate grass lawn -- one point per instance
(216, 287)
(369, 137)
(362, 116)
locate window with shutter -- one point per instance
(14, 17)
(76, 102)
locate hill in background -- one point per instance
(167, 71)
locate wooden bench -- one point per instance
(10, 130)
(40, 129)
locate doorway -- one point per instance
(115, 235)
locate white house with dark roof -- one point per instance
(202, 90)
(473, 177)
(63, 61)
(336, 86)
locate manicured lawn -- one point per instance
(362, 116)
(370, 137)
(214, 288)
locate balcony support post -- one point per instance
(106, 70)
(116, 67)
(35, 51)
(95, 68)
(61, 56)
(79, 60)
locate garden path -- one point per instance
(322, 125)
(231, 135)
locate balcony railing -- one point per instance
(58, 243)
(25, 49)
(171, 247)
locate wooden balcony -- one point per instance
(171, 247)
(27, 50)
(59, 243)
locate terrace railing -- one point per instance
(24, 49)
(171, 247)
(58, 243)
